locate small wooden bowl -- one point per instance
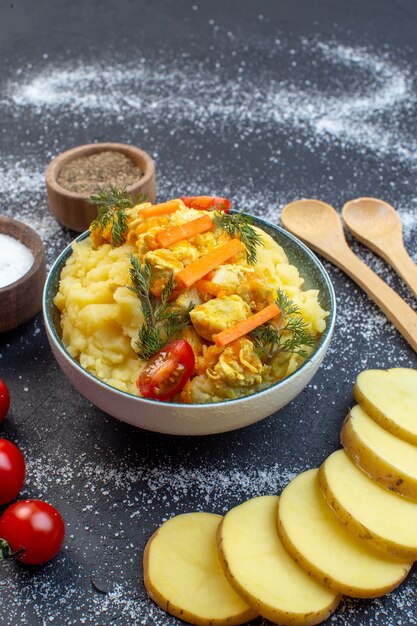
(73, 209)
(22, 299)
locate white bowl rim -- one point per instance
(328, 332)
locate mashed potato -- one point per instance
(101, 317)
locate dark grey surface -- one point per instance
(264, 102)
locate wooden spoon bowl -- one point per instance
(22, 299)
(377, 225)
(371, 219)
(73, 209)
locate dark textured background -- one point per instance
(114, 484)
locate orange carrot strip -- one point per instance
(171, 235)
(245, 326)
(159, 209)
(202, 266)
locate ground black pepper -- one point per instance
(91, 174)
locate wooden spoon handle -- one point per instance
(404, 266)
(392, 250)
(395, 308)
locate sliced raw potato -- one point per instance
(184, 577)
(390, 398)
(261, 571)
(319, 542)
(391, 461)
(386, 520)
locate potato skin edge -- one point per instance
(381, 418)
(184, 615)
(379, 543)
(275, 616)
(375, 466)
(326, 579)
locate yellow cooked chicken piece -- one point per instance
(163, 260)
(229, 276)
(238, 364)
(218, 314)
(257, 291)
(228, 373)
(164, 264)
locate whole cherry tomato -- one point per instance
(4, 400)
(12, 471)
(207, 203)
(31, 530)
(167, 371)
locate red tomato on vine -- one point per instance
(31, 531)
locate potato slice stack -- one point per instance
(262, 572)
(326, 549)
(345, 528)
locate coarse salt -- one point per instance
(15, 260)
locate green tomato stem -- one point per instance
(5, 550)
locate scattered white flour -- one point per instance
(19, 179)
(142, 94)
(148, 92)
(211, 485)
(23, 195)
(15, 260)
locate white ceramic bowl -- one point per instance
(197, 419)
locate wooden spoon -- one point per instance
(318, 225)
(377, 225)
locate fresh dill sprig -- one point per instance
(287, 306)
(238, 224)
(162, 320)
(140, 278)
(112, 205)
(265, 339)
(290, 335)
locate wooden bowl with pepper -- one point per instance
(73, 176)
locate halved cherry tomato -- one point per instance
(167, 371)
(4, 400)
(31, 530)
(12, 471)
(207, 203)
